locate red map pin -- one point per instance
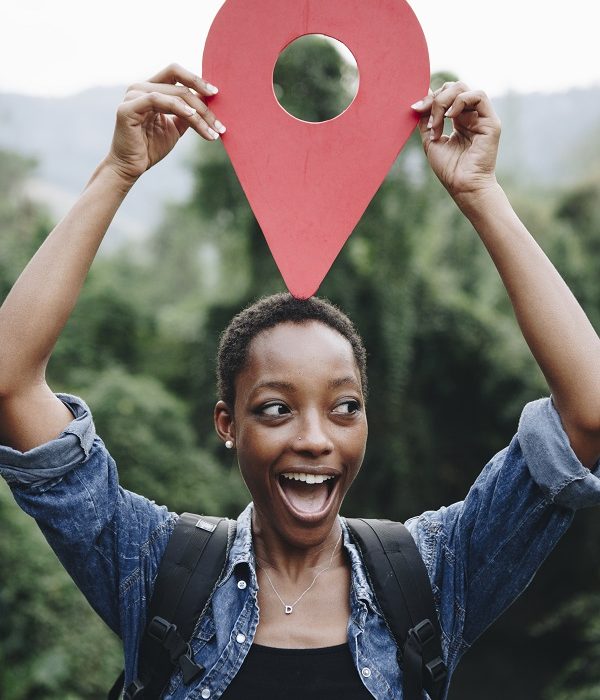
(309, 183)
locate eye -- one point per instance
(274, 410)
(347, 408)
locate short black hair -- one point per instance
(269, 312)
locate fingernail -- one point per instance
(190, 110)
(213, 134)
(219, 127)
(418, 105)
(430, 122)
(212, 89)
(447, 114)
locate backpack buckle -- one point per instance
(190, 669)
(179, 650)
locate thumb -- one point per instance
(424, 130)
(423, 110)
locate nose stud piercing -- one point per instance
(228, 444)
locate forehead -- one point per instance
(309, 350)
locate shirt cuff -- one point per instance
(54, 459)
(551, 460)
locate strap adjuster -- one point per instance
(133, 690)
(423, 633)
(159, 629)
(437, 670)
(178, 649)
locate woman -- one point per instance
(292, 388)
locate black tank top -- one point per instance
(297, 674)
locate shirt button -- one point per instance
(241, 638)
(366, 672)
(205, 693)
(242, 584)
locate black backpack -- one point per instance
(184, 588)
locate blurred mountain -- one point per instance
(544, 143)
(68, 137)
(549, 139)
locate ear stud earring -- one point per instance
(228, 444)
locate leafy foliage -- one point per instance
(50, 639)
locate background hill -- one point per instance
(68, 136)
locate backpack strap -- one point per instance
(403, 590)
(189, 571)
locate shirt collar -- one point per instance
(242, 552)
(361, 585)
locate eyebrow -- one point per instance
(274, 384)
(344, 381)
(288, 386)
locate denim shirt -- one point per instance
(480, 553)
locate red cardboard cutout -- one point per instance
(309, 183)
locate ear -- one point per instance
(224, 423)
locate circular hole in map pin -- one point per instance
(315, 78)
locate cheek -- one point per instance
(256, 451)
(364, 432)
(353, 446)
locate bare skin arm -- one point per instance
(559, 334)
(150, 121)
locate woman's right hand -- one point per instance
(154, 115)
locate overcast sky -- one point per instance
(57, 47)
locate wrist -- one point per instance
(481, 201)
(110, 173)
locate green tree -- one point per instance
(24, 224)
(50, 639)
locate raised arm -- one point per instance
(150, 121)
(560, 336)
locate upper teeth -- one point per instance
(308, 478)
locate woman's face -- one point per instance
(299, 428)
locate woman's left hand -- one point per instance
(465, 160)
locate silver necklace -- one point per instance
(289, 608)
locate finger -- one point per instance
(423, 106)
(157, 102)
(472, 101)
(424, 130)
(174, 73)
(423, 109)
(189, 96)
(443, 98)
(181, 125)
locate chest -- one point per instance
(297, 674)
(241, 616)
(319, 616)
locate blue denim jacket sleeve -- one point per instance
(110, 540)
(481, 553)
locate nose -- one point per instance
(314, 436)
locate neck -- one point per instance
(291, 561)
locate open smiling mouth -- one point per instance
(308, 496)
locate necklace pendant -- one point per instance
(289, 609)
